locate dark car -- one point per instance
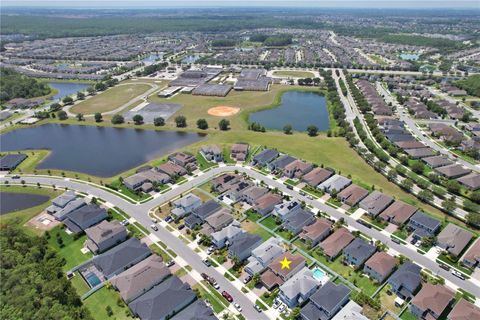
(227, 296)
(207, 262)
(204, 276)
(180, 227)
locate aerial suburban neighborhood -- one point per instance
(228, 160)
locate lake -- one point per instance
(297, 108)
(191, 59)
(99, 151)
(409, 56)
(13, 201)
(67, 88)
(152, 58)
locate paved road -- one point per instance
(405, 117)
(140, 213)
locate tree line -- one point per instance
(15, 85)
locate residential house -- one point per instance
(352, 195)
(470, 181)
(351, 311)
(406, 280)
(184, 160)
(198, 310)
(85, 217)
(140, 278)
(143, 180)
(299, 288)
(472, 257)
(423, 225)
(317, 176)
(10, 161)
(454, 239)
(219, 219)
(163, 301)
(283, 209)
(185, 205)
(212, 153)
(297, 168)
(280, 163)
(225, 236)
(70, 207)
(201, 213)
(336, 242)
(380, 266)
(236, 190)
(464, 310)
(121, 257)
(222, 183)
(275, 275)
(316, 232)
(252, 194)
(431, 301)
(242, 245)
(239, 151)
(263, 255)
(296, 220)
(105, 235)
(264, 157)
(375, 203)
(420, 153)
(398, 212)
(405, 145)
(336, 183)
(452, 171)
(172, 170)
(437, 161)
(326, 302)
(61, 201)
(266, 203)
(357, 252)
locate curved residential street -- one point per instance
(140, 213)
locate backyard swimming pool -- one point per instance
(92, 279)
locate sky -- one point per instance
(244, 3)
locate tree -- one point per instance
(181, 121)
(55, 106)
(118, 119)
(100, 86)
(287, 129)
(158, 122)
(449, 205)
(256, 279)
(312, 131)
(91, 90)
(201, 124)
(80, 117)
(295, 313)
(137, 119)
(98, 117)
(425, 195)
(392, 174)
(62, 115)
(80, 95)
(453, 186)
(224, 124)
(407, 184)
(67, 100)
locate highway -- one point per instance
(140, 213)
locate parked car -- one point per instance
(168, 219)
(282, 308)
(207, 262)
(237, 306)
(458, 274)
(216, 285)
(204, 276)
(170, 263)
(154, 227)
(247, 279)
(276, 304)
(154, 220)
(125, 222)
(16, 176)
(257, 307)
(180, 227)
(444, 266)
(227, 296)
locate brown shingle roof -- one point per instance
(464, 310)
(316, 229)
(398, 212)
(276, 266)
(353, 194)
(410, 145)
(433, 297)
(317, 176)
(382, 263)
(335, 243)
(472, 181)
(453, 170)
(270, 279)
(268, 200)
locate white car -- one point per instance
(282, 308)
(216, 286)
(237, 306)
(275, 305)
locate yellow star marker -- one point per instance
(285, 263)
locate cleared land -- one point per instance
(110, 99)
(294, 74)
(196, 107)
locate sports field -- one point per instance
(294, 74)
(196, 107)
(110, 99)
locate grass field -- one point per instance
(98, 302)
(196, 107)
(70, 248)
(110, 99)
(294, 74)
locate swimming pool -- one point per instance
(92, 279)
(318, 274)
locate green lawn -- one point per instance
(387, 300)
(292, 182)
(269, 223)
(444, 258)
(203, 163)
(70, 248)
(110, 99)
(253, 228)
(301, 245)
(217, 301)
(294, 74)
(120, 187)
(252, 215)
(271, 296)
(407, 315)
(313, 191)
(98, 302)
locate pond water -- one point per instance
(99, 151)
(409, 56)
(152, 58)
(191, 58)
(67, 88)
(297, 108)
(13, 201)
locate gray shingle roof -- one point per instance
(359, 249)
(328, 297)
(408, 276)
